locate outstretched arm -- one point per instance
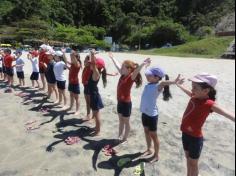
(217, 109)
(184, 89)
(146, 62)
(116, 63)
(168, 83)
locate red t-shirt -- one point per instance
(42, 55)
(73, 74)
(124, 88)
(86, 75)
(195, 116)
(8, 59)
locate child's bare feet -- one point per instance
(77, 113)
(147, 153)
(155, 159)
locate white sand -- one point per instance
(23, 153)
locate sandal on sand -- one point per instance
(72, 140)
(106, 148)
(32, 128)
(30, 122)
(139, 170)
(122, 162)
(111, 152)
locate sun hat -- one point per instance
(211, 80)
(155, 71)
(50, 51)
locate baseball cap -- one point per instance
(155, 71)
(100, 63)
(211, 80)
(50, 51)
(43, 46)
(59, 53)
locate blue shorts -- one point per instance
(192, 145)
(125, 109)
(86, 90)
(96, 102)
(150, 122)
(50, 77)
(34, 76)
(74, 88)
(20, 75)
(10, 72)
(61, 85)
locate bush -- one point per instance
(204, 31)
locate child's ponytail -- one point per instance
(139, 79)
(104, 77)
(166, 93)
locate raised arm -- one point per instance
(219, 110)
(116, 63)
(96, 74)
(183, 88)
(146, 62)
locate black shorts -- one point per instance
(125, 109)
(42, 70)
(86, 90)
(34, 76)
(192, 145)
(74, 88)
(50, 77)
(61, 85)
(1, 70)
(10, 72)
(20, 75)
(96, 102)
(150, 122)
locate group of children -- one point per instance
(202, 96)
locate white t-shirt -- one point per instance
(59, 69)
(19, 61)
(0, 62)
(35, 64)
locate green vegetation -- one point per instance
(212, 47)
(130, 22)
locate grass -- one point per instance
(212, 47)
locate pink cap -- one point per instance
(100, 63)
(211, 80)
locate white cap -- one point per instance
(43, 46)
(59, 53)
(211, 80)
(50, 51)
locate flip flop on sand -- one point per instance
(44, 110)
(111, 152)
(106, 148)
(72, 140)
(32, 128)
(30, 122)
(139, 170)
(124, 161)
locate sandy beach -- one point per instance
(43, 152)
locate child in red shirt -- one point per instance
(130, 74)
(74, 87)
(85, 78)
(202, 103)
(8, 60)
